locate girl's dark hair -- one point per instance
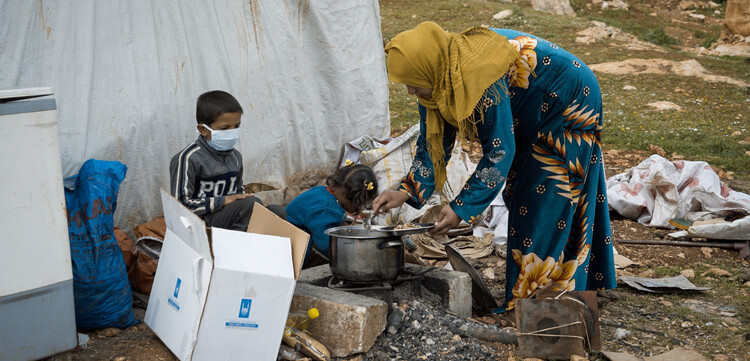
(359, 183)
(214, 103)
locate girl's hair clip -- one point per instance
(369, 186)
(348, 163)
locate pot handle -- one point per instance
(387, 244)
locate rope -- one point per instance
(537, 332)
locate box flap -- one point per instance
(252, 253)
(186, 225)
(264, 221)
(178, 295)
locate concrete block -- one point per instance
(348, 323)
(317, 275)
(453, 287)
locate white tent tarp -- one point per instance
(309, 74)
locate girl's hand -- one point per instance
(388, 200)
(447, 220)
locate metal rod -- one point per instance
(735, 245)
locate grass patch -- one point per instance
(659, 37)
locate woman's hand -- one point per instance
(447, 220)
(388, 200)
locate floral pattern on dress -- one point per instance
(525, 46)
(496, 156)
(487, 175)
(537, 273)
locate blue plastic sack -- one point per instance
(100, 281)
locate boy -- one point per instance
(206, 176)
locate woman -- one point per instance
(536, 110)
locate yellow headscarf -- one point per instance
(459, 67)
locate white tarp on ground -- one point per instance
(658, 190)
(126, 76)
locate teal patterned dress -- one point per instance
(543, 139)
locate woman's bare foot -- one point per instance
(506, 319)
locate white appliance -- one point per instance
(37, 315)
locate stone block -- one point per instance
(317, 275)
(453, 287)
(348, 323)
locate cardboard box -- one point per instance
(221, 294)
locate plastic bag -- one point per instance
(100, 282)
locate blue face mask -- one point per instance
(223, 140)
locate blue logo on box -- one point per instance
(245, 308)
(177, 288)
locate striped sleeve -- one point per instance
(182, 183)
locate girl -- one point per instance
(350, 189)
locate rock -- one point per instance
(746, 275)
(712, 5)
(416, 325)
(455, 338)
(119, 358)
(681, 255)
(719, 272)
(737, 133)
(747, 284)
(648, 273)
(732, 321)
(707, 251)
(666, 303)
(688, 273)
(629, 87)
(741, 49)
(745, 141)
(489, 273)
(557, 7)
(664, 105)
(503, 14)
(429, 342)
(621, 333)
(577, 358)
(700, 17)
(721, 357)
(109, 332)
(679, 90)
(396, 318)
(615, 5)
(686, 324)
(655, 149)
(687, 4)
(662, 66)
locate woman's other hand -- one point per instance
(447, 220)
(388, 200)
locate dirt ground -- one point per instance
(714, 322)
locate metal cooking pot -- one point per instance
(362, 256)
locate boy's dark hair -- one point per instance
(359, 183)
(214, 103)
